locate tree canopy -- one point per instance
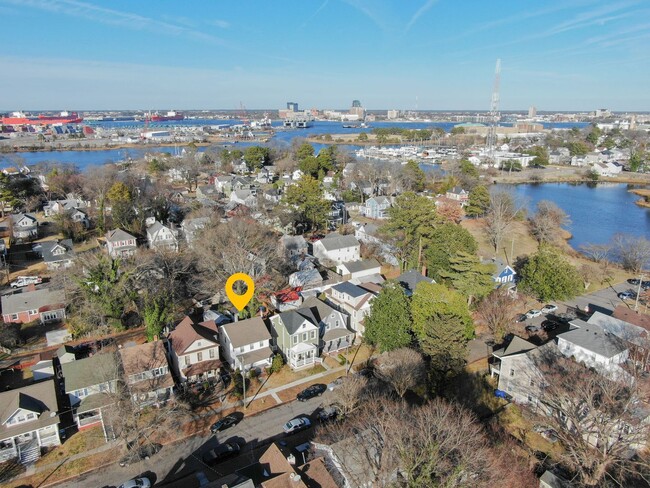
(388, 324)
(469, 276)
(444, 242)
(307, 196)
(549, 276)
(479, 201)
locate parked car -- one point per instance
(221, 453)
(532, 313)
(549, 325)
(141, 482)
(26, 280)
(626, 295)
(521, 318)
(533, 328)
(549, 308)
(296, 425)
(311, 392)
(224, 423)
(328, 413)
(336, 383)
(137, 454)
(633, 281)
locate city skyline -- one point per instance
(433, 55)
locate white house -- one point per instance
(161, 238)
(194, 350)
(192, 227)
(607, 169)
(516, 368)
(29, 420)
(24, 226)
(337, 248)
(244, 197)
(246, 344)
(357, 270)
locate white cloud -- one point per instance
(421, 11)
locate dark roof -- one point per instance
(247, 331)
(410, 279)
(293, 319)
(48, 248)
(350, 289)
(38, 397)
(118, 235)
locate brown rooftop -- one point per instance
(143, 357)
(623, 312)
(187, 332)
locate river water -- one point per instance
(597, 211)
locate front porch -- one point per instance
(303, 355)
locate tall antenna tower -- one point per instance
(494, 113)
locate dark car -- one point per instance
(311, 392)
(224, 423)
(137, 454)
(328, 413)
(221, 453)
(532, 328)
(633, 281)
(521, 317)
(548, 325)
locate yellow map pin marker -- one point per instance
(240, 301)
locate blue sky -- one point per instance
(408, 54)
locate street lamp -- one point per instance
(243, 379)
(638, 292)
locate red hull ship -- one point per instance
(19, 118)
(172, 115)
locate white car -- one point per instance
(296, 425)
(549, 308)
(137, 483)
(531, 314)
(26, 280)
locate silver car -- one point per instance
(137, 483)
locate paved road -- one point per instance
(181, 459)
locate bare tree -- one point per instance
(349, 393)
(599, 253)
(546, 225)
(501, 213)
(632, 252)
(596, 418)
(497, 310)
(97, 182)
(402, 368)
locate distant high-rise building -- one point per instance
(356, 103)
(532, 111)
(293, 106)
(392, 114)
(357, 110)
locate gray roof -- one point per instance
(410, 279)
(517, 346)
(195, 224)
(293, 319)
(593, 338)
(363, 265)
(334, 241)
(620, 328)
(94, 370)
(38, 397)
(350, 289)
(118, 235)
(247, 331)
(47, 248)
(31, 300)
(18, 217)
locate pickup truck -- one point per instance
(26, 280)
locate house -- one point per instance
(24, 226)
(354, 270)
(89, 384)
(55, 207)
(192, 227)
(459, 195)
(161, 238)
(194, 350)
(337, 216)
(368, 233)
(606, 168)
(29, 421)
(244, 197)
(58, 254)
(594, 346)
(516, 368)
(296, 336)
(293, 247)
(273, 195)
(264, 176)
(337, 248)
(45, 304)
(377, 207)
(120, 244)
(146, 372)
(503, 274)
(223, 184)
(246, 344)
(409, 281)
(207, 192)
(352, 300)
(333, 330)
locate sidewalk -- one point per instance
(225, 405)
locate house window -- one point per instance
(31, 416)
(199, 356)
(103, 387)
(261, 344)
(532, 383)
(33, 312)
(212, 353)
(187, 361)
(14, 316)
(312, 334)
(337, 323)
(295, 340)
(304, 336)
(512, 372)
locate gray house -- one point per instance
(296, 334)
(58, 254)
(120, 243)
(377, 207)
(24, 226)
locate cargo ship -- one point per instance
(171, 115)
(19, 118)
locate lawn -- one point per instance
(286, 375)
(290, 394)
(513, 419)
(80, 442)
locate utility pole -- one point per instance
(243, 380)
(638, 292)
